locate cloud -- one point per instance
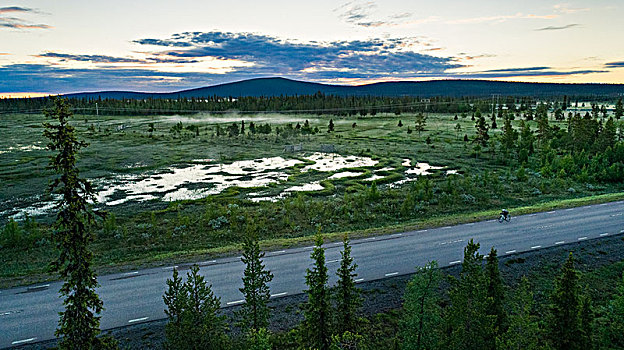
(111, 59)
(565, 8)
(361, 14)
(271, 55)
(15, 9)
(614, 65)
(567, 26)
(528, 72)
(18, 23)
(500, 18)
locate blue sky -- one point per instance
(67, 46)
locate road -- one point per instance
(30, 314)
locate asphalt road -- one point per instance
(30, 314)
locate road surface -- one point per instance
(30, 314)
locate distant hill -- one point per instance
(455, 88)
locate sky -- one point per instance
(61, 46)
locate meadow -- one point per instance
(181, 187)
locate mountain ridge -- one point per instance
(276, 86)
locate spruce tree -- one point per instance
(255, 311)
(193, 312)
(347, 294)
(330, 127)
(482, 135)
(612, 330)
(316, 328)
(564, 323)
(523, 331)
(619, 109)
(79, 323)
(495, 292)
(421, 123)
(470, 326)
(420, 326)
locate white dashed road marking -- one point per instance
(358, 280)
(138, 319)
(510, 252)
(582, 238)
(392, 274)
(23, 341)
(560, 242)
(455, 262)
(604, 234)
(278, 295)
(235, 302)
(536, 246)
(131, 273)
(333, 261)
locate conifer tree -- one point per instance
(619, 109)
(495, 292)
(348, 298)
(421, 123)
(523, 330)
(79, 323)
(612, 330)
(330, 127)
(564, 323)
(421, 323)
(316, 328)
(469, 325)
(256, 279)
(193, 312)
(482, 135)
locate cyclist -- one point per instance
(505, 214)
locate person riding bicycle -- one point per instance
(505, 214)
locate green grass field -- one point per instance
(147, 232)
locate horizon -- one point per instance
(69, 47)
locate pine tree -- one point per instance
(196, 308)
(421, 123)
(79, 323)
(586, 320)
(564, 323)
(255, 311)
(523, 331)
(482, 135)
(175, 300)
(400, 124)
(509, 136)
(458, 129)
(469, 325)
(495, 293)
(348, 298)
(612, 331)
(619, 109)
(420, 326)
(316, 329)
(330, 127)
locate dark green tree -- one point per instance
(470, 326)
(421, 123)
(347, 295)
(495, 292)
(509, 136)
(400, 124)
(256, 279)
(193, 312)
(612, 325)
(564, 323)
(330, 127)
(316, 327)
(482, 135)
(420, 326)
(619, 109)
(523, 332)
(80, 322)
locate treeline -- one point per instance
(473, 311)
(317, 103)
(589, 149)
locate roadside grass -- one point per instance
(35, 271)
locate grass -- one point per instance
(146, 231)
